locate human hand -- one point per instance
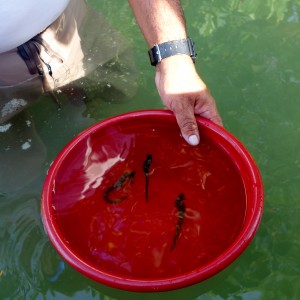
(183, 92)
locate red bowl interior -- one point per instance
(130, 244)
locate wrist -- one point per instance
(176, 75)
(176, 61)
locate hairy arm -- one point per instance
(159, 20)
(177, 81)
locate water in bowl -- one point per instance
(133, 235)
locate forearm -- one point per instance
(159, 20)
(177, 81)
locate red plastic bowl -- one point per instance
(202, 209)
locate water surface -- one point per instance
(248, 54)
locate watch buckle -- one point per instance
(192, 50)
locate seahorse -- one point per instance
(121, 182)
(146, 166)
(181, 213)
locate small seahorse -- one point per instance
(146, 166)
(121, 182)
(181, 212)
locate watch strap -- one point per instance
(161, 51)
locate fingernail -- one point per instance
(193, 140)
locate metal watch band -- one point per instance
(161, 51)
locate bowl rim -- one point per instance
(200, 274)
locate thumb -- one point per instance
(188, 126)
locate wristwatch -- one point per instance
(161, 51)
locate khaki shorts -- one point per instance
(81, 43)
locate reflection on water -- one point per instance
(21, 150)
(97, 162)
(249, 57)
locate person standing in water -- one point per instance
(46, 44)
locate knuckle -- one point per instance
(189, 126)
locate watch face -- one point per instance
(191, 45)
(154, 54)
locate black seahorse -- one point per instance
(146, 167)
(121, 182)
(179, 204)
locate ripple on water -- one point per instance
(28, 262)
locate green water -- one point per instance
(248, 54)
